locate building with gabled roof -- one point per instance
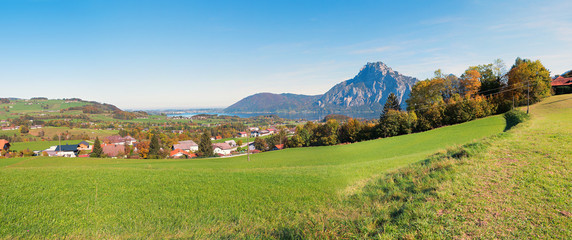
(188, 145)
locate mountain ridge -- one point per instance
(366, 92)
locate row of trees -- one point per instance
(480, 91)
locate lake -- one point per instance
(294, 116)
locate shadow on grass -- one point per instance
(514, 117)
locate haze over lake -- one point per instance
(294, 116)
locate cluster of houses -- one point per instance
(256, 132)
(112, 146)
(186, 149)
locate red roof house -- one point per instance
(4, 144)
(180, 153)
(561, 81)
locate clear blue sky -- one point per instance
(178, 54)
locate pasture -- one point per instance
(264, 197)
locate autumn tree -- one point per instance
(470, 82)
(325, 134)
(349, 131)
(530, 75)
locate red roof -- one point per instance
(112, 150)
(176, 151)
(279, 146)
(560, 81)
(4, 143)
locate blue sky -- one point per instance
(189, 54)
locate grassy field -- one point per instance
(266, 197)
(515, 185)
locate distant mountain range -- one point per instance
(366, 92)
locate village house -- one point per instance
(66, 150)
(232, 143)
(4, 145)
(222, 148)
(84, 146)
(562, 85)
(113, 150)
(119, 140)
(189, 146)
(242, 134)
(278, 147)
(180, 153)
(10, 128)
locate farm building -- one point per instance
(4, 145)
(222, 148)
(180, 153)
(232, 143)
(84, 146)
(113, 150)
(562, 85)
(66, 150)
(189, 146)
(116, 139)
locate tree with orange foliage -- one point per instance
(143, 149)
(470, 83)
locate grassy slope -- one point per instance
(193, 198)
(516, 185)
(522, 186)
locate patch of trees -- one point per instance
(337, 117)
(4, 100)
(442, 100)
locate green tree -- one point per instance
(154, 147)
(260, 144)
(397, 123)
(326, 134)
(205, 145)
(24, 129)
(97, 150)
(391, 103)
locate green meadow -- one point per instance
(264, 197)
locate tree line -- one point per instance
(442, 100)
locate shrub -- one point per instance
(514, 117)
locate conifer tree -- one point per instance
(205, 145)
(97, 150)
(154, 147)
(391, 103)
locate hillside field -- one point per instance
(89, 198)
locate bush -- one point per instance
(514, 117)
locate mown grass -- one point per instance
(514, 185)
(267, 197)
